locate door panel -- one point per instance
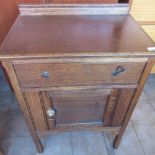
(123, 103)
(86, 106)
(78, 108)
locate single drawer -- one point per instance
(68, 73)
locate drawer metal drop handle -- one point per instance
(118, 70)
(45, 74)
(51, 113)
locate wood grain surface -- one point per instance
(74, 9)
(9, 10)
(76, 74)
(75, 35)
(80, 104)
(72, 1)
(8, 14)
(76, 107)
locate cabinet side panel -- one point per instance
(134, 101)
(110, 105)
(35, 104)
(23, 106)
(122, 106)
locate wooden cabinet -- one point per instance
(85, 100)
(77, 68)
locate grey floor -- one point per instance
(139, 138)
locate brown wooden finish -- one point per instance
(9, 10)
(79, 87)
(8, 15)
(24, 107)
(75, 107)
(80, 92)
(84, 36)
(83, 89)
(74, 9)
(47, 104)
(31, 1)
(142, 81)
(72, 1)
(81, 127)
(123, 103)
(111, 103)
(84, 112)
(84, 1)
(76, 74)
(35, 104)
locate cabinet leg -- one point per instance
(28, 117)
(142, 81)
(31, 127)
(117, 140)
(38, 143)
(23, 103)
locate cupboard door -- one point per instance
(122, 106)
(69, 109)
(39, 105)
(79, 107)
(84, 108)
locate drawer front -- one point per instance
(77, 74)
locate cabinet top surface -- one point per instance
(82, 35)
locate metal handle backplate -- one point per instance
(118, 70)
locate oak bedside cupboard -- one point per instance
(77, 66)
